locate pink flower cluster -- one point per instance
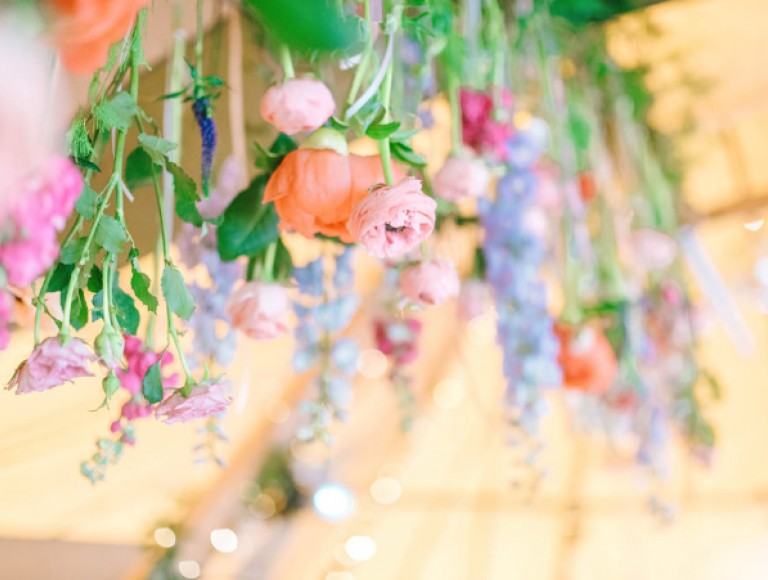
(52, 364)
(398, 339)
(297, 105)
(479, 129)
(28, 244)
(203, 400)
(138, 360)
(260, 310)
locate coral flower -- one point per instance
(83, 30)
(587, 359)
(52, 364)
(460, 178)
(297, 105)
(315, 187)
(259, 310)
(430, 283)
(392, 220)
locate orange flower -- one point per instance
(315, 187)
(587, 359)
(83, 30)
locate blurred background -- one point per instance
(438, 501)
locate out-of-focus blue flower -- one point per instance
(344, 355)
(310, 278)
(344, 276)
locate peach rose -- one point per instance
(84, 30)
(430, 283)
(392, 220)
(460, 178)
(315, 187)
(297, 105)
(260, 310)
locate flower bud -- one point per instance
(109, 346)
(110, 384)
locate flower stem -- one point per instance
(286, 62)
(453, 100)
(362, 67)
(384, 149)
(198, 90)
(269, 262)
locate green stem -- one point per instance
(286, 62)
(384, 149)
(198, 90)
(251, 269)
(362, 67)
(453, 101)
(269, 262)
(106, 285)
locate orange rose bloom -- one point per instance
(83, 30)
(587, 359)
(315, 188)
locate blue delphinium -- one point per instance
(201, 107)
(322, 315)
(513, 258)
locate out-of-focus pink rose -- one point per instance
(48, 199)
(134, 409)
(297, 105)
(460, 178)
(52, 364)
(5, 318)
(398, 339)
(392, 220)
(430, 283)
(32, 123)
(203, 400)
(535, 222)
(478, 128)
(474, 299)
(227, 187)
(260, 310)
(549, 195)
(138, 360)
(654, 250)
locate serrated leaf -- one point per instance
(383, 131)
(123, 308)
(60, 277)
(139, 169)
(152, 384)
(176, 293)
(248, 226)
(157, 147)
(110, 234)
(116, 112)
(141, 284)
(70, 254)
(86, 203)
(185, 194)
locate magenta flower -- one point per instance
(52, 364)
(202, 400)
(48, 199)
(297, 105)
(478, 127)
(260, 310)
(430, 283)
(392, 220)
(460, 178)
(138, 360)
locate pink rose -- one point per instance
(655, 250)
(460, 178)
(430, 283)
(260, 310)
(48, 199)
(52, 364)
(297, 105)
(474, 299)
(392, 220)
(207, 398)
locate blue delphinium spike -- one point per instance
(204, 117)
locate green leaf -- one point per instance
(248, 226)
(95, 280)
(86, 163)
(404, 153)
(140, 284)
(60, 277)
(379, 132)
(70, 254)
(176, 293)
(116, 112)
(110, 234)
(186, 196)
(86, 203)
(123, 308)
(403, 135)
(80, 145)
(139, 169)
(79, 312)
(152, 384)
(157, 147)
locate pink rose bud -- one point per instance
(203, 400)
(460, 178)
(430, 283)
(655, 250)
(474, 299)
(392, 220)
(297, 105)
(52, 364)
(260, 310)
